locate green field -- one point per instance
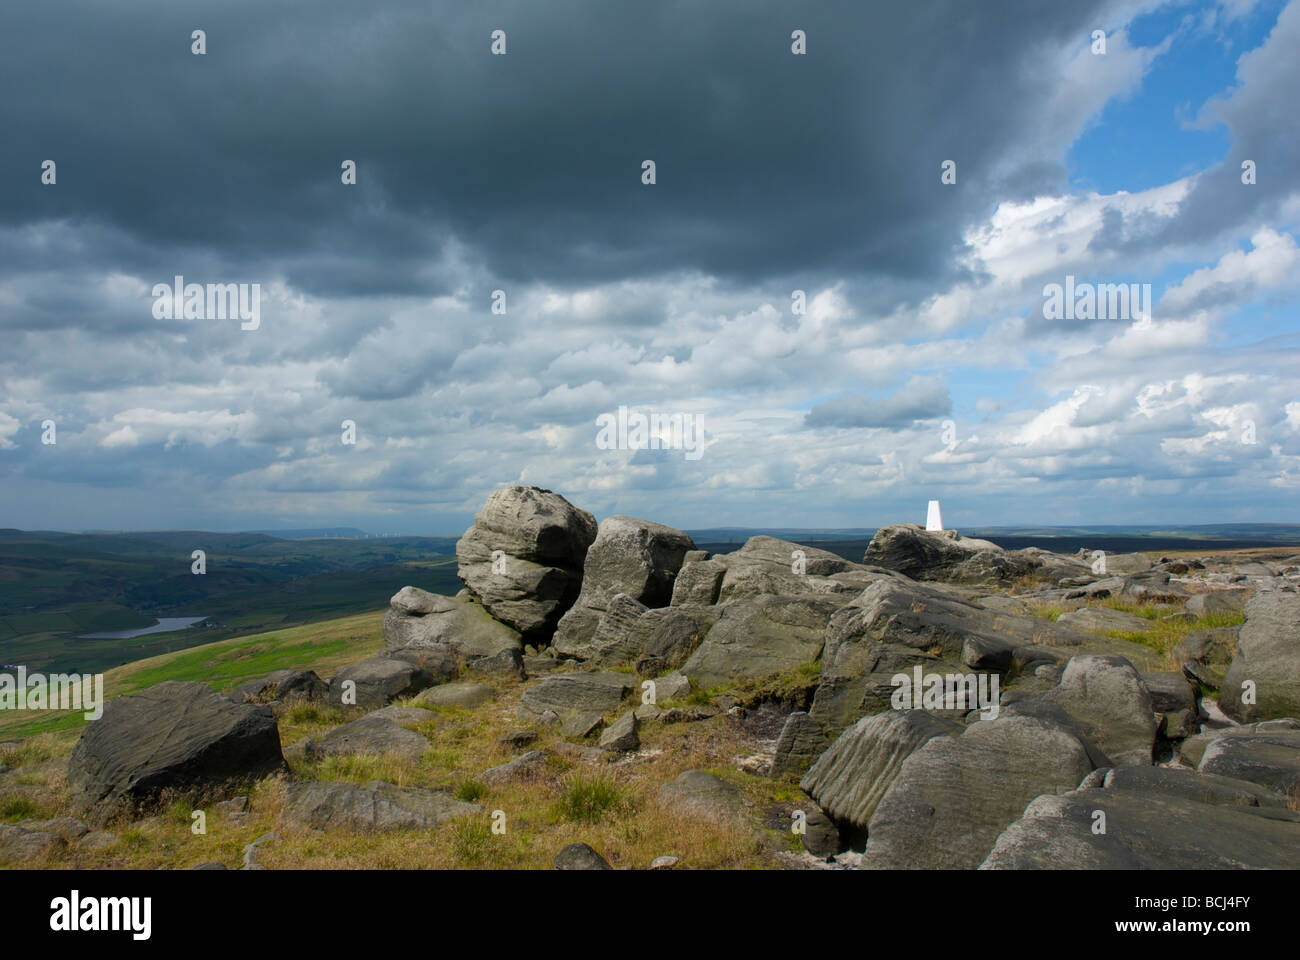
(225, 664)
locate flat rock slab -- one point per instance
(581, 692)
(1105, 620)
(1146, 831)
(18, 844)
(701, 795)
(369, 735)
(172, 736)
(459, 694)
(404, 716)
(374, 806)
(1271, 760)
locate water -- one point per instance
(164, 625)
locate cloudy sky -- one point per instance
(924, 365)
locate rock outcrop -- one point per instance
(523, 557)
(633, 558)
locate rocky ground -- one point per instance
(609, 695)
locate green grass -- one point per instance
(589, 799)
(226, 664)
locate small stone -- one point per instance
(580, 856)
(621, 736)
(663, 863)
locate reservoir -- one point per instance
(164, 625)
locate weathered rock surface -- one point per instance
(622, 735)
(369, 735)
(1105, 620)
(799, 745)
(417, 619)
(921, 554)
(597, 693)
(523, 557)
(1187, 826)
(1268, 654)
(1270, 759)
(526, 766)
(759, 637)
(374, 806)
(636, 558)
(377, 682)
(850, 778)
(821, 836)
(699, 794)
(172, 736)
(667, 636)
(955, 795)
(459, 694)
(282, 685)
(894, 626)
(18, 844)
(1108, 694)
(580, 856)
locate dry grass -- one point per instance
(612, 806)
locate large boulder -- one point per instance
(759, 637)
(851, 777)
(1155, 819)
(377, 682)
(636, 558)
(522, 558)
(1268, 657)
(419, 620)
(922, 554)
(1108, 694)
(954, 795)
(374, 806)
(174, 736)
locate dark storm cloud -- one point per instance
(767, 162)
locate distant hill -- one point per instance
(314, 533)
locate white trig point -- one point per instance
(933, 521)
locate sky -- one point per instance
(839, 278)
